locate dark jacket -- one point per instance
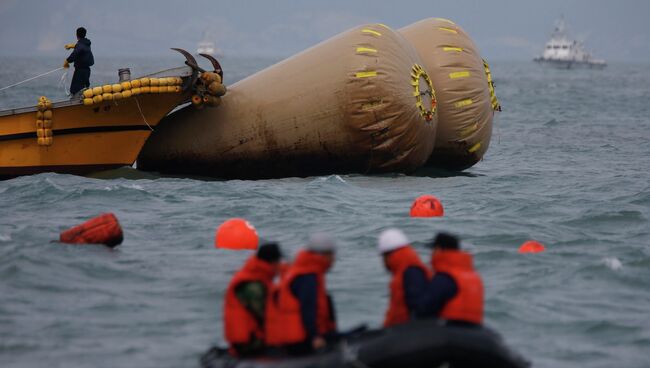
(82, 56)
(415, 285)
(437, 293)
(304, 288)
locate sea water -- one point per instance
(568, 165)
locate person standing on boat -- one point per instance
(455, 293)
(83, 59)
(409, 276)
(245, 302)
(301, 315)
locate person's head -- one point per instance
(389, 241)
(270, 253)
(445, 241)
(81, 33)
(323, 244)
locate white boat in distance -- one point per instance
(207, 47)
(564, 53)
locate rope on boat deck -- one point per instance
(32, 78)
(141, 114)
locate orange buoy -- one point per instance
(236, 233)
(427, 206)
(532, 246)
(103, 229)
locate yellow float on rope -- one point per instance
(126, 85)
(97, 91)
(98, 98)
(116, 87)
(107, 89)
(144, 82)
(107, 96)
(88, 93)
(135, 83)
(127, 93)
(88, 101)
(135, 91)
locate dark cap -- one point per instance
(445, 241)
(269, 252)
(81, 32)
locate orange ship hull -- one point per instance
(85, 139)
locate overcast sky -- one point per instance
(502, 29)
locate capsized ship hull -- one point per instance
(464, 90)
(358, 102)
(83, 138)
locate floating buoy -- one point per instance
(135, 83)
(88, 93)
(236, 233)
(88, 101)
(427, 206)
(532, 246)
(107, 96)
(127, 93)
(98, 99)
(217, 89)
(103, 229)
(126, 85)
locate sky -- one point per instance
(502, 29)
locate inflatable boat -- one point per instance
(419, 344)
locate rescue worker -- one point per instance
(246, 300)
(83, 59)
(409, 276)
(455, 293)
(301, 316)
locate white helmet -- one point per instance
(391, 239)
(321, 242)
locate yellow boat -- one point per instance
(103, 130)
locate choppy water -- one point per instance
(569, 165)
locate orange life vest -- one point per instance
(284, 321)
(467, 304)
(398, 261)
(239, 324)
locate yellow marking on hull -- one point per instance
(474, 148)
(457, 75)
(366, 50)
(448, 30)
(366, 74)
(450, 48)
(370, 31)
(469, 130)
(463, 103)
(444, 20)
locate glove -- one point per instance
(66, 64)
(70, 46)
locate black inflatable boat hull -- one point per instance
(421, 344)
